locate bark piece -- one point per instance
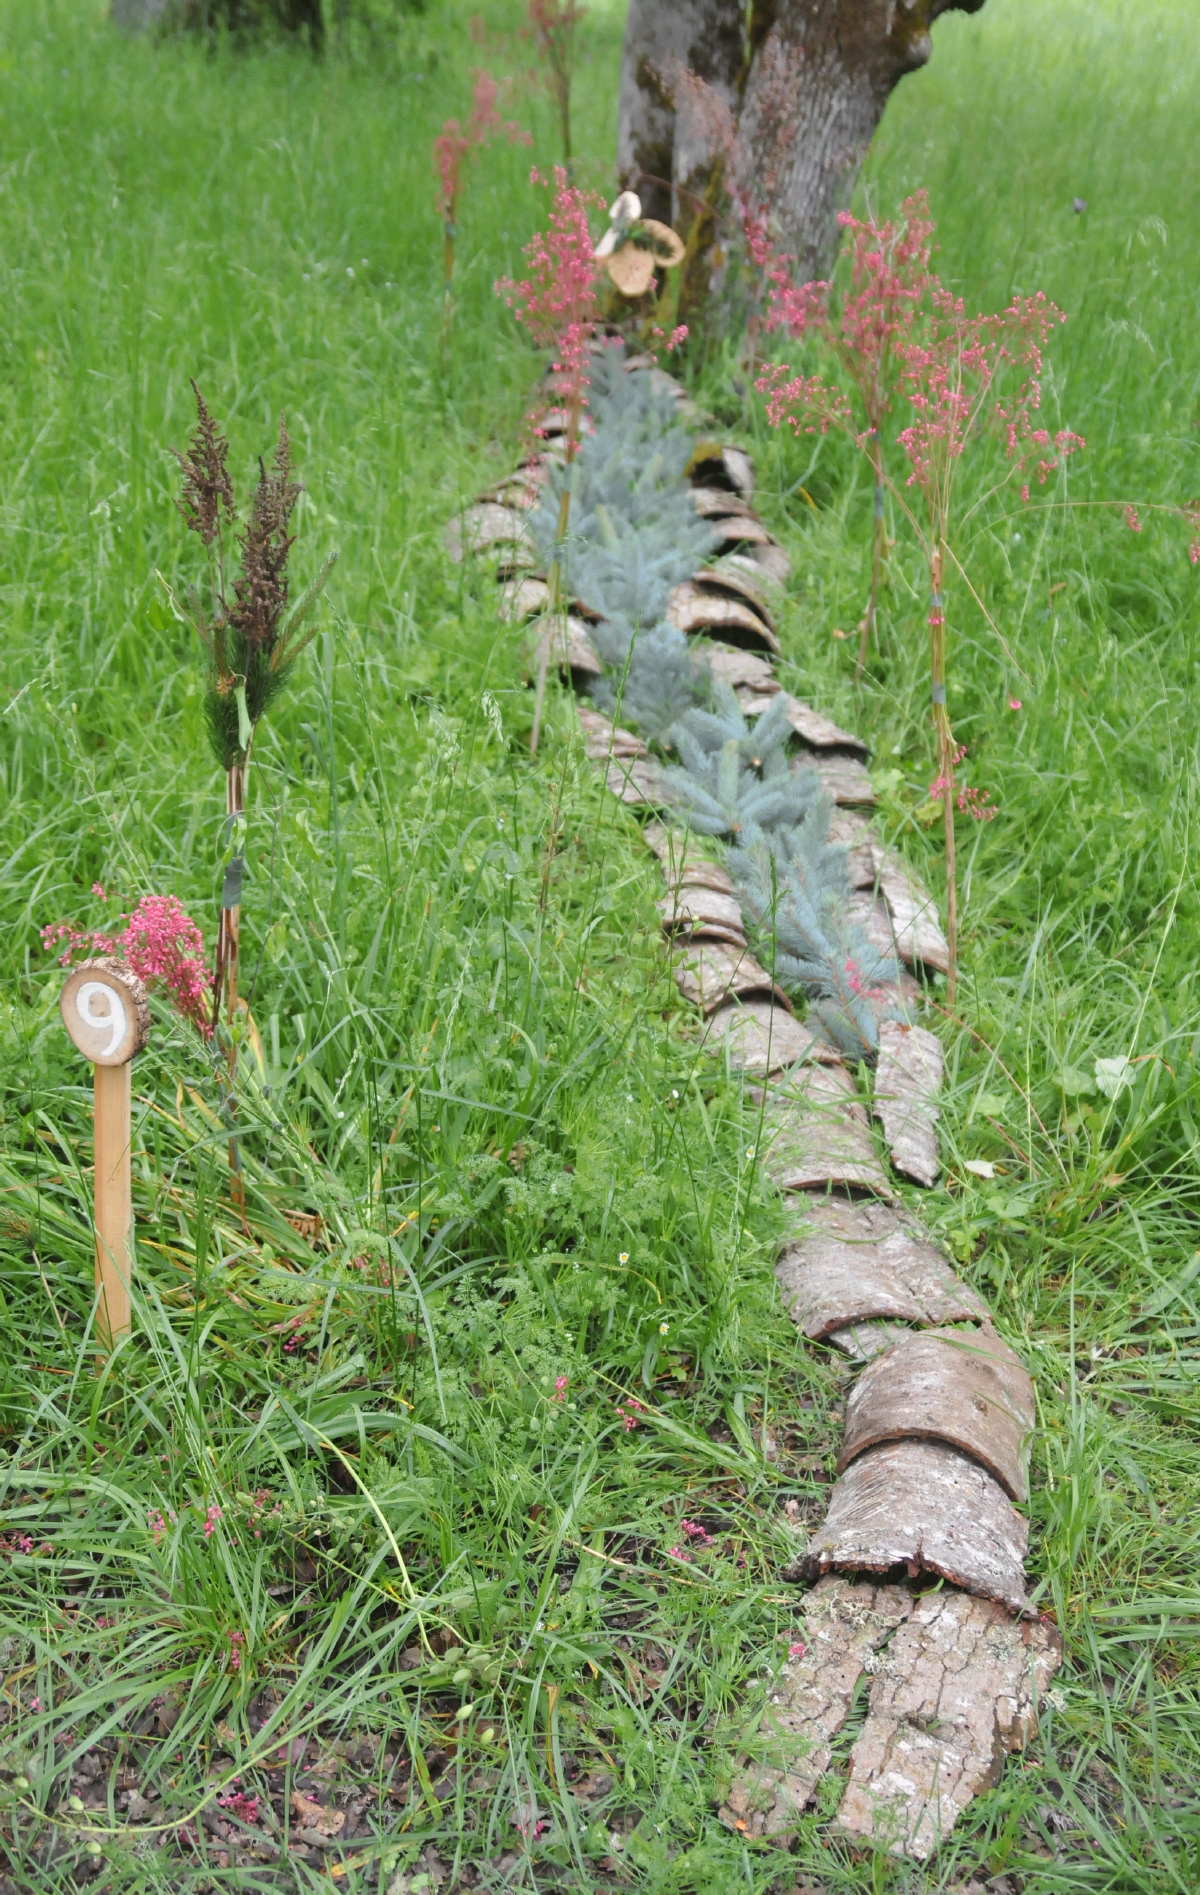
(845, 778)
(954, 1692)
(695, 608)
(712, 465)
(680, 851)
(568, 646)
(703, 911)
(742, 531)
(918, 932)
(852, 1261)
(817, 731)
(709, 972)
(862, 1342)
(967, 1389)
(873, 915)
(722, 579)
(740, 669)
(695, 872)
(717, 503)
(483, 525)
(925, 1506)
(639, 782)
(815, 1132)
(908, 1078)
(521, 489)
(522, 598)
(772, 560)
(911, 913)
(762, 1038)
(603, 740)
(844, 1624)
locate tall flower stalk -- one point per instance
(552, 26)
(251, 641)
(949, 377)
(557, 304)
(867, 337)
(452, 147)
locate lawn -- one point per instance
(355, 1517)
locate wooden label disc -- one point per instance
(105, 1012)
(631, 269)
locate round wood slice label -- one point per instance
(105, 1012)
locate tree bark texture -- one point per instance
(804, 83)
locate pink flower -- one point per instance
(678, 1552)
(211, 1517)
(797, 1648)
(244, 1807)
(160, 943)
(1014, 703)
(857, 987)
(157, 1525)
(695, 1531)
(630, 1414)
(98, 890)
(557, 301)
(452, 143)
(560, 1389)
(1132, 521)
(890, 278)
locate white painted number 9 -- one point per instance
(114, 1018)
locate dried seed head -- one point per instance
(207, 487)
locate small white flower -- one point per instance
(624, 211)
(624, 1257)
(662, 1328)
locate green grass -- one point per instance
(475, 1072)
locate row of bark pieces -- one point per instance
(903, 1451)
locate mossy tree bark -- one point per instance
(805, 83)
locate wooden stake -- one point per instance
(104, 1010)
(114, 1202)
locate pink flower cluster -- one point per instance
(158, 1525)
(211, 1516)
(453, 144)
(857, 985)
(889, 272)
(561, 1384)
(900, 333)
(557, 302)
(972, 802)
(160, 943)
(244, 1807)
(629, 1412)
(695, 1531)
(948, 376)
(234, 1663)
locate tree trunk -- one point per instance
(792, 96)
(836, 63)
(705, 37)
